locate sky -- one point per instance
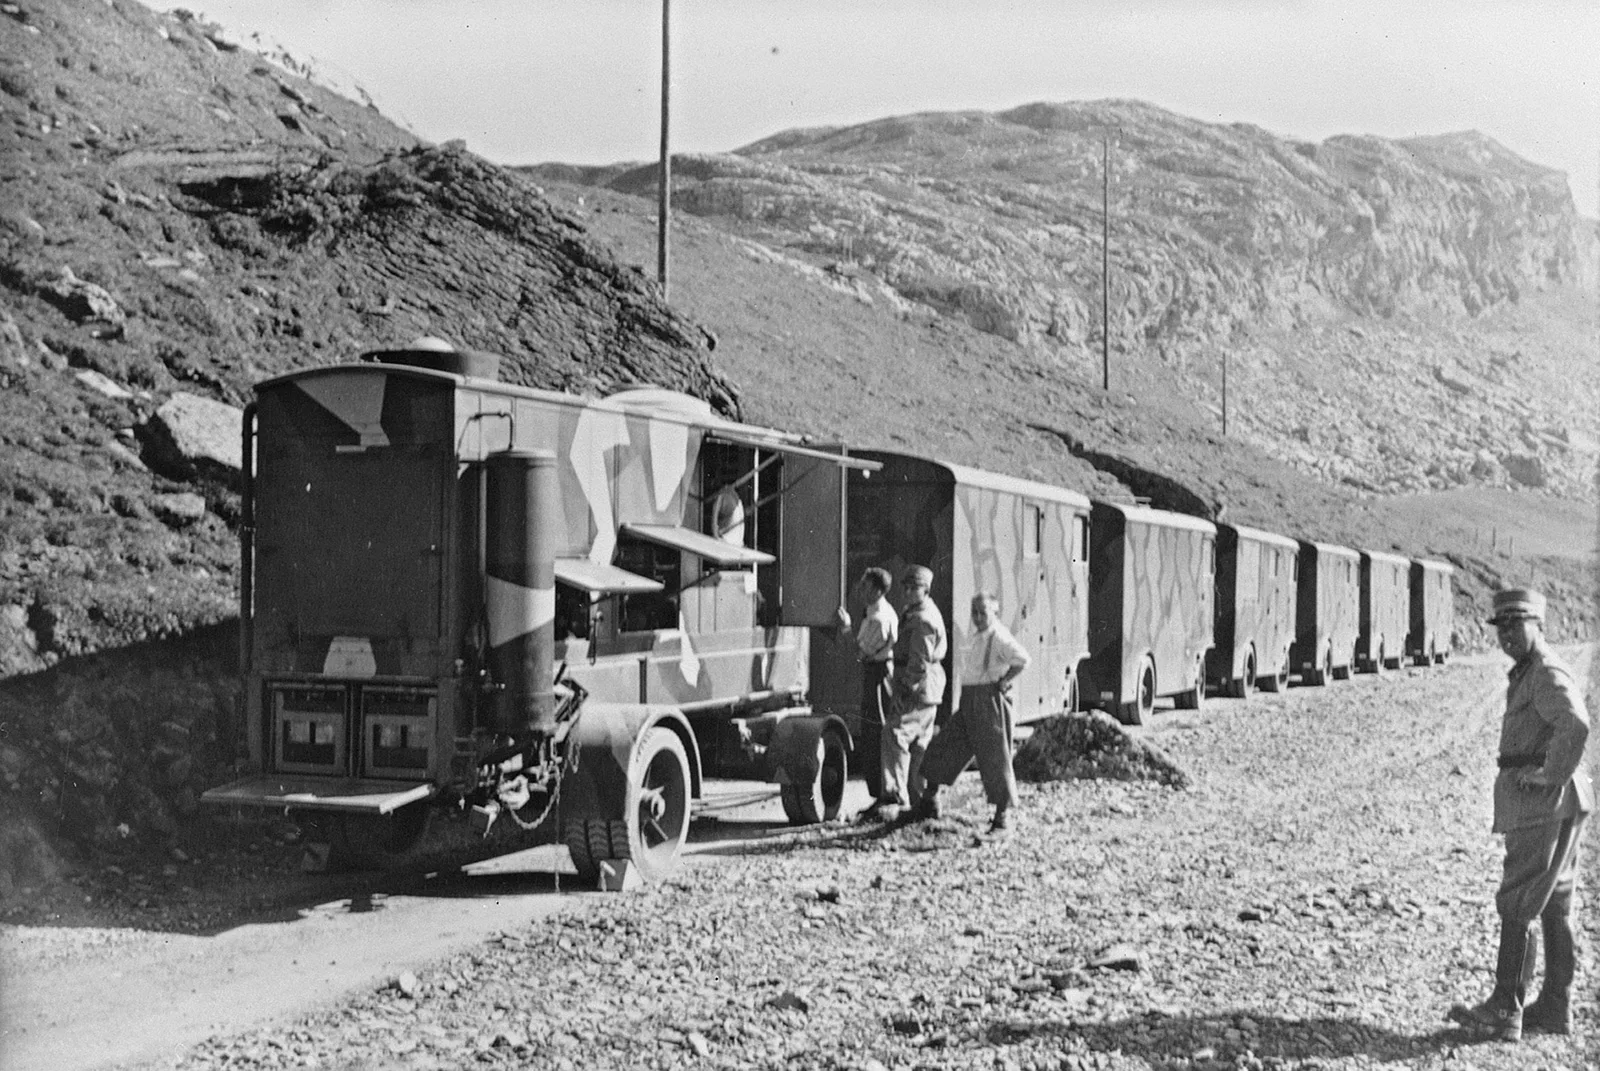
(579, 81)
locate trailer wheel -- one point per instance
(1241, 687)
(819, 801)
(1322, 674)
(1342, 673)
(1070, 703)
(380, 842)
(1276, 682)
(655, 825)
(1380, 661)
(1143, 706)
(1194, 698)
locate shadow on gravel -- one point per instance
(1174, 1041)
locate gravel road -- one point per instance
(1315, 899)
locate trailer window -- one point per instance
(651, 610)
(1033, 535)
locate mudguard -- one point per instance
(600, 750)
(793, 755)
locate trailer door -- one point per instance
(811, 556)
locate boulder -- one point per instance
(1525, 469)
(192, 437)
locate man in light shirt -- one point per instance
(981, 726)
(875, 639)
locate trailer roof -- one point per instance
(1434, 563)
(994, 481)
(1262, 535)
(1330, 548)
(658, 403)
(1385, 556)
(1149, 515)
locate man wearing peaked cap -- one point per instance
(918, 688)
(1542, 797)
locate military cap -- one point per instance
(1515, 604)
(919, 573)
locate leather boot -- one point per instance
(1500, 1017)
(1551, 1013)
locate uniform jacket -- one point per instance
(919, 652)
(1545, 723)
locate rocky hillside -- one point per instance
(183, 217)
(1339, 279)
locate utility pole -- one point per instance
(1105, 261)
(664, 186)
(1224, 391)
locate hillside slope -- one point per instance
(185, 217)
(1342, 282)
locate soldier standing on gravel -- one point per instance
(1542, 798)
(981, 726)
(875, 639)
(918, 687)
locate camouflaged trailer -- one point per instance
(1024, 542)
(562, 610)
(1257, 575)
(1385, 611)
(1328, 611)
(1151, 586)
(1433, 611)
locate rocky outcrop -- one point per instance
(1330, 276)
(996, 218)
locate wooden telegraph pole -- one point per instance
(664, 186)
(1105, 260)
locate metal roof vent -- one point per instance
(438, 355)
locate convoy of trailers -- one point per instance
(570, 612)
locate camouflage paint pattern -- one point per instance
(1150, 596)
(1433, 610)
(1385, 609)
(1329, 606)
(367, 493)
(1255, 603)
(976, 531)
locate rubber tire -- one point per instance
(1142, 709)
(1319, 677)
(659, 762)
(819, 801)
(1071, 704)
(380, 842)
(1241, 687)
(1278, 681)
(1194, 698)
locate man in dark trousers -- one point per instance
(875, 640)
(981, 726)
(1542, 797)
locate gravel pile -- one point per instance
(1092, 744)
(1315, 899)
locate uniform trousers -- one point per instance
(979, 729)
(877, 696)
(906, 731)
(1540, 860)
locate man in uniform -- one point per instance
(919, 681)
(1542, 796)
(981, 726)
